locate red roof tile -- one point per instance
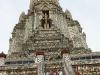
(2, 55)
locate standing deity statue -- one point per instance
(46, 25)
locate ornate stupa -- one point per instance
(47, 41)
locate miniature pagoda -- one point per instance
(47, 41)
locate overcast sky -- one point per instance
(87, 12)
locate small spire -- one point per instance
(10, 39)
(84, 34)
(22, 16)
(67, 12)
(31, 1)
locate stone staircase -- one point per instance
(49, 38)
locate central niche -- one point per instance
(46, 22)
(45, 12)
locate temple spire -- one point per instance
(32, 2)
